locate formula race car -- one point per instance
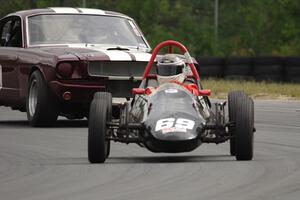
(170, 112)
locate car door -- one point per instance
(11, 42)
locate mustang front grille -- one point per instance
(116, 69)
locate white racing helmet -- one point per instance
(170, 68)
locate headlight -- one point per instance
(65, 69)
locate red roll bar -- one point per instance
(171, 43)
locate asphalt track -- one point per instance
(51, 163)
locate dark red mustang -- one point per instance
(53, 60)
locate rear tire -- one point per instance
(100, 114)
(42, 110)
(244, 128)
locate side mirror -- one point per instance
(204, 92)
(138, 91)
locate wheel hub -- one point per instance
(32, 101)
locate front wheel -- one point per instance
(100, 114)
(232, 108)
(40, 105)
(244, 128)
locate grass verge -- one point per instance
(257, 90)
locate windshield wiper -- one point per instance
(118, 48)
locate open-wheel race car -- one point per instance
(171, 112)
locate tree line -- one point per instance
(244, 27)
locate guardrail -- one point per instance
(277, 69)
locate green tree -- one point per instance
(246, 27)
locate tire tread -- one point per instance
(100, 112)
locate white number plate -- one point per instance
(168, 125)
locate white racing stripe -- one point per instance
(65, 10)
(139, 56)
(91, 11)
(116, 55)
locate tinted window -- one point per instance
(15, 39)
(11, 33)
(5, 32)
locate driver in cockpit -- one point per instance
(172, 69)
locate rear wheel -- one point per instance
(244, 128)
(42, 110)
(100, 114)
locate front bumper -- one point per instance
(78, 91)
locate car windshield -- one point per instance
(86, 29)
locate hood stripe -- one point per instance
(115, 55)
(141, 56)
(132, 56)
(78, 10)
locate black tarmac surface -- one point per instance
(51, 163)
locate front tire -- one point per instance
(40, 105)
(244, 128)
(232, 108)
(100, 114)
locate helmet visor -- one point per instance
(169, 70)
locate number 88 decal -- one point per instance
(180, 123)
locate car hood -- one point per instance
(96, 53)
